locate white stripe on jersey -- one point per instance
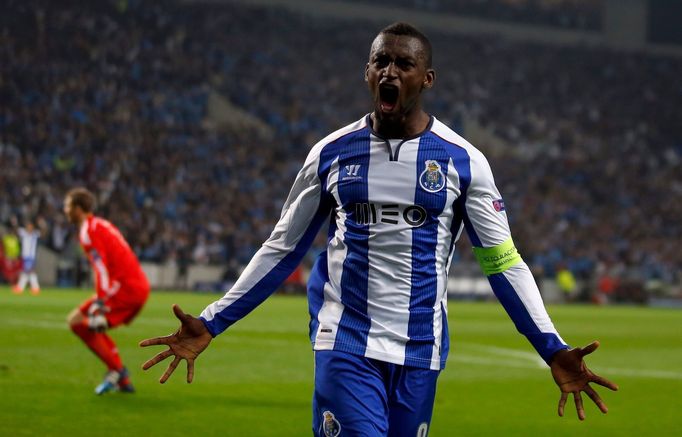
(390, 253)
(522, 280)
(444, 252)
(103, 274)
(83, 233)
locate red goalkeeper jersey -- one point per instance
(117, 270)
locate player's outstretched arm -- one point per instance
(572, 376)
(185, 344)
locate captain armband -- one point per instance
(498, 258)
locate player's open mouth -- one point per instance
(388, 97)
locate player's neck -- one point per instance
(82, 219)
(407, 126)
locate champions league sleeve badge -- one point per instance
(432, 178)
(330, 426)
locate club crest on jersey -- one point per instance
(330, 426)
(432, 178)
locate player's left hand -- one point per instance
(572, 376)
(98, 323)
(97, 307)
(185, 344)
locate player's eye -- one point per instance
(381, 61)
(404, 64)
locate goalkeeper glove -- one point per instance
(96, 320)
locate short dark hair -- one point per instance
(406, 29)
(82, 198)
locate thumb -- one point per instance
(182, 316)
(589, 348)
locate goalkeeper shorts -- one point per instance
(120, 312)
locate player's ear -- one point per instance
(429, 78)
(367, 72)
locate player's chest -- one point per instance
(393, 178)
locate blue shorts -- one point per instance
(359, 396)
(27, 264)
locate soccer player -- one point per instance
(398, 187)
(29, 237)
(121, 287)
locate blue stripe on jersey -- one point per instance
(445, 339)
(419, 348)
(545, 343)
(462, 163)
(352, 151)
(319, 276)
(271, 281)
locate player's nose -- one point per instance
(390, 71)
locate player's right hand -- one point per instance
(97, 320)
(98, 323)
(185, 344)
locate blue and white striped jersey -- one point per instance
(396, 209)
(29, 242)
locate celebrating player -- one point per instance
(399, 187)
(121, 287)
(28, 236)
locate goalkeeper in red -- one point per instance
(120, 284)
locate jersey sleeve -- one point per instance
(485, 220)
(302, 216)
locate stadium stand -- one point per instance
(115, 96)
(567, 14)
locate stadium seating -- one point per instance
(567, 14)
(115, 96)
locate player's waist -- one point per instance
(421, 354)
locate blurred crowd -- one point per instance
(566, 14)
(114, 96)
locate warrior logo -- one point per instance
(350, 172)
(330, 426)
(432, 178)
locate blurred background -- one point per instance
(190, 119)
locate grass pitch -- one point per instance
(256, 378)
